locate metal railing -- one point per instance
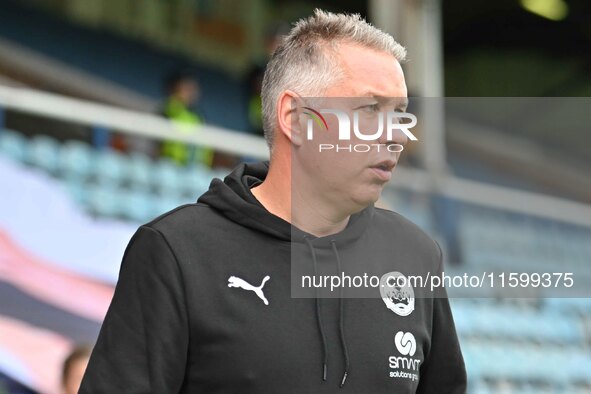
(241, 144)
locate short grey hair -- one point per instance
(301, 63)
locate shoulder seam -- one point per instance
(166, 214)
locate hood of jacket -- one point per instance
(233, 198)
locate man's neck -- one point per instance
(305, 212)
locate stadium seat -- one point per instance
(195, 182)
(76, 160)
(479, 387)
(43, 152)
(508, 322)
(574, 306)
(79, 191)
(109, 168)
(136, 205)
(166, 177)
(13, 145)
(139, 169)
(104, 201)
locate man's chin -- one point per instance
(369, 197)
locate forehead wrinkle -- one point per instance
(361, 76)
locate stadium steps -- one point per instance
(107, 182)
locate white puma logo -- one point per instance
(237, 282)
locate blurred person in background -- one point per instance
(182, 95)
(73, 368)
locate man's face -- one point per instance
(372, 85)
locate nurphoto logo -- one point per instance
(387, 122)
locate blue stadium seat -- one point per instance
(78, 190)
(43, 152)
(76, 160)
(479, 387)
(136, 205)
(104, 201)
(557, 366)
(139, 169)
(573, 306)
(167, 178)
(110, 168)
(196, 181)
(508, 322)
(13, 145)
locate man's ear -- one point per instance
(288, 116)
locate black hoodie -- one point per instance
(204, 304)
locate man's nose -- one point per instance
(397, 137)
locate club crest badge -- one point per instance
(397, 293)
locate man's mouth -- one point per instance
(384, 169)
(386, 165)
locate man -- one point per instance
(205, 301)
(183, 91)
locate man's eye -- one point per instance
(372, 108)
